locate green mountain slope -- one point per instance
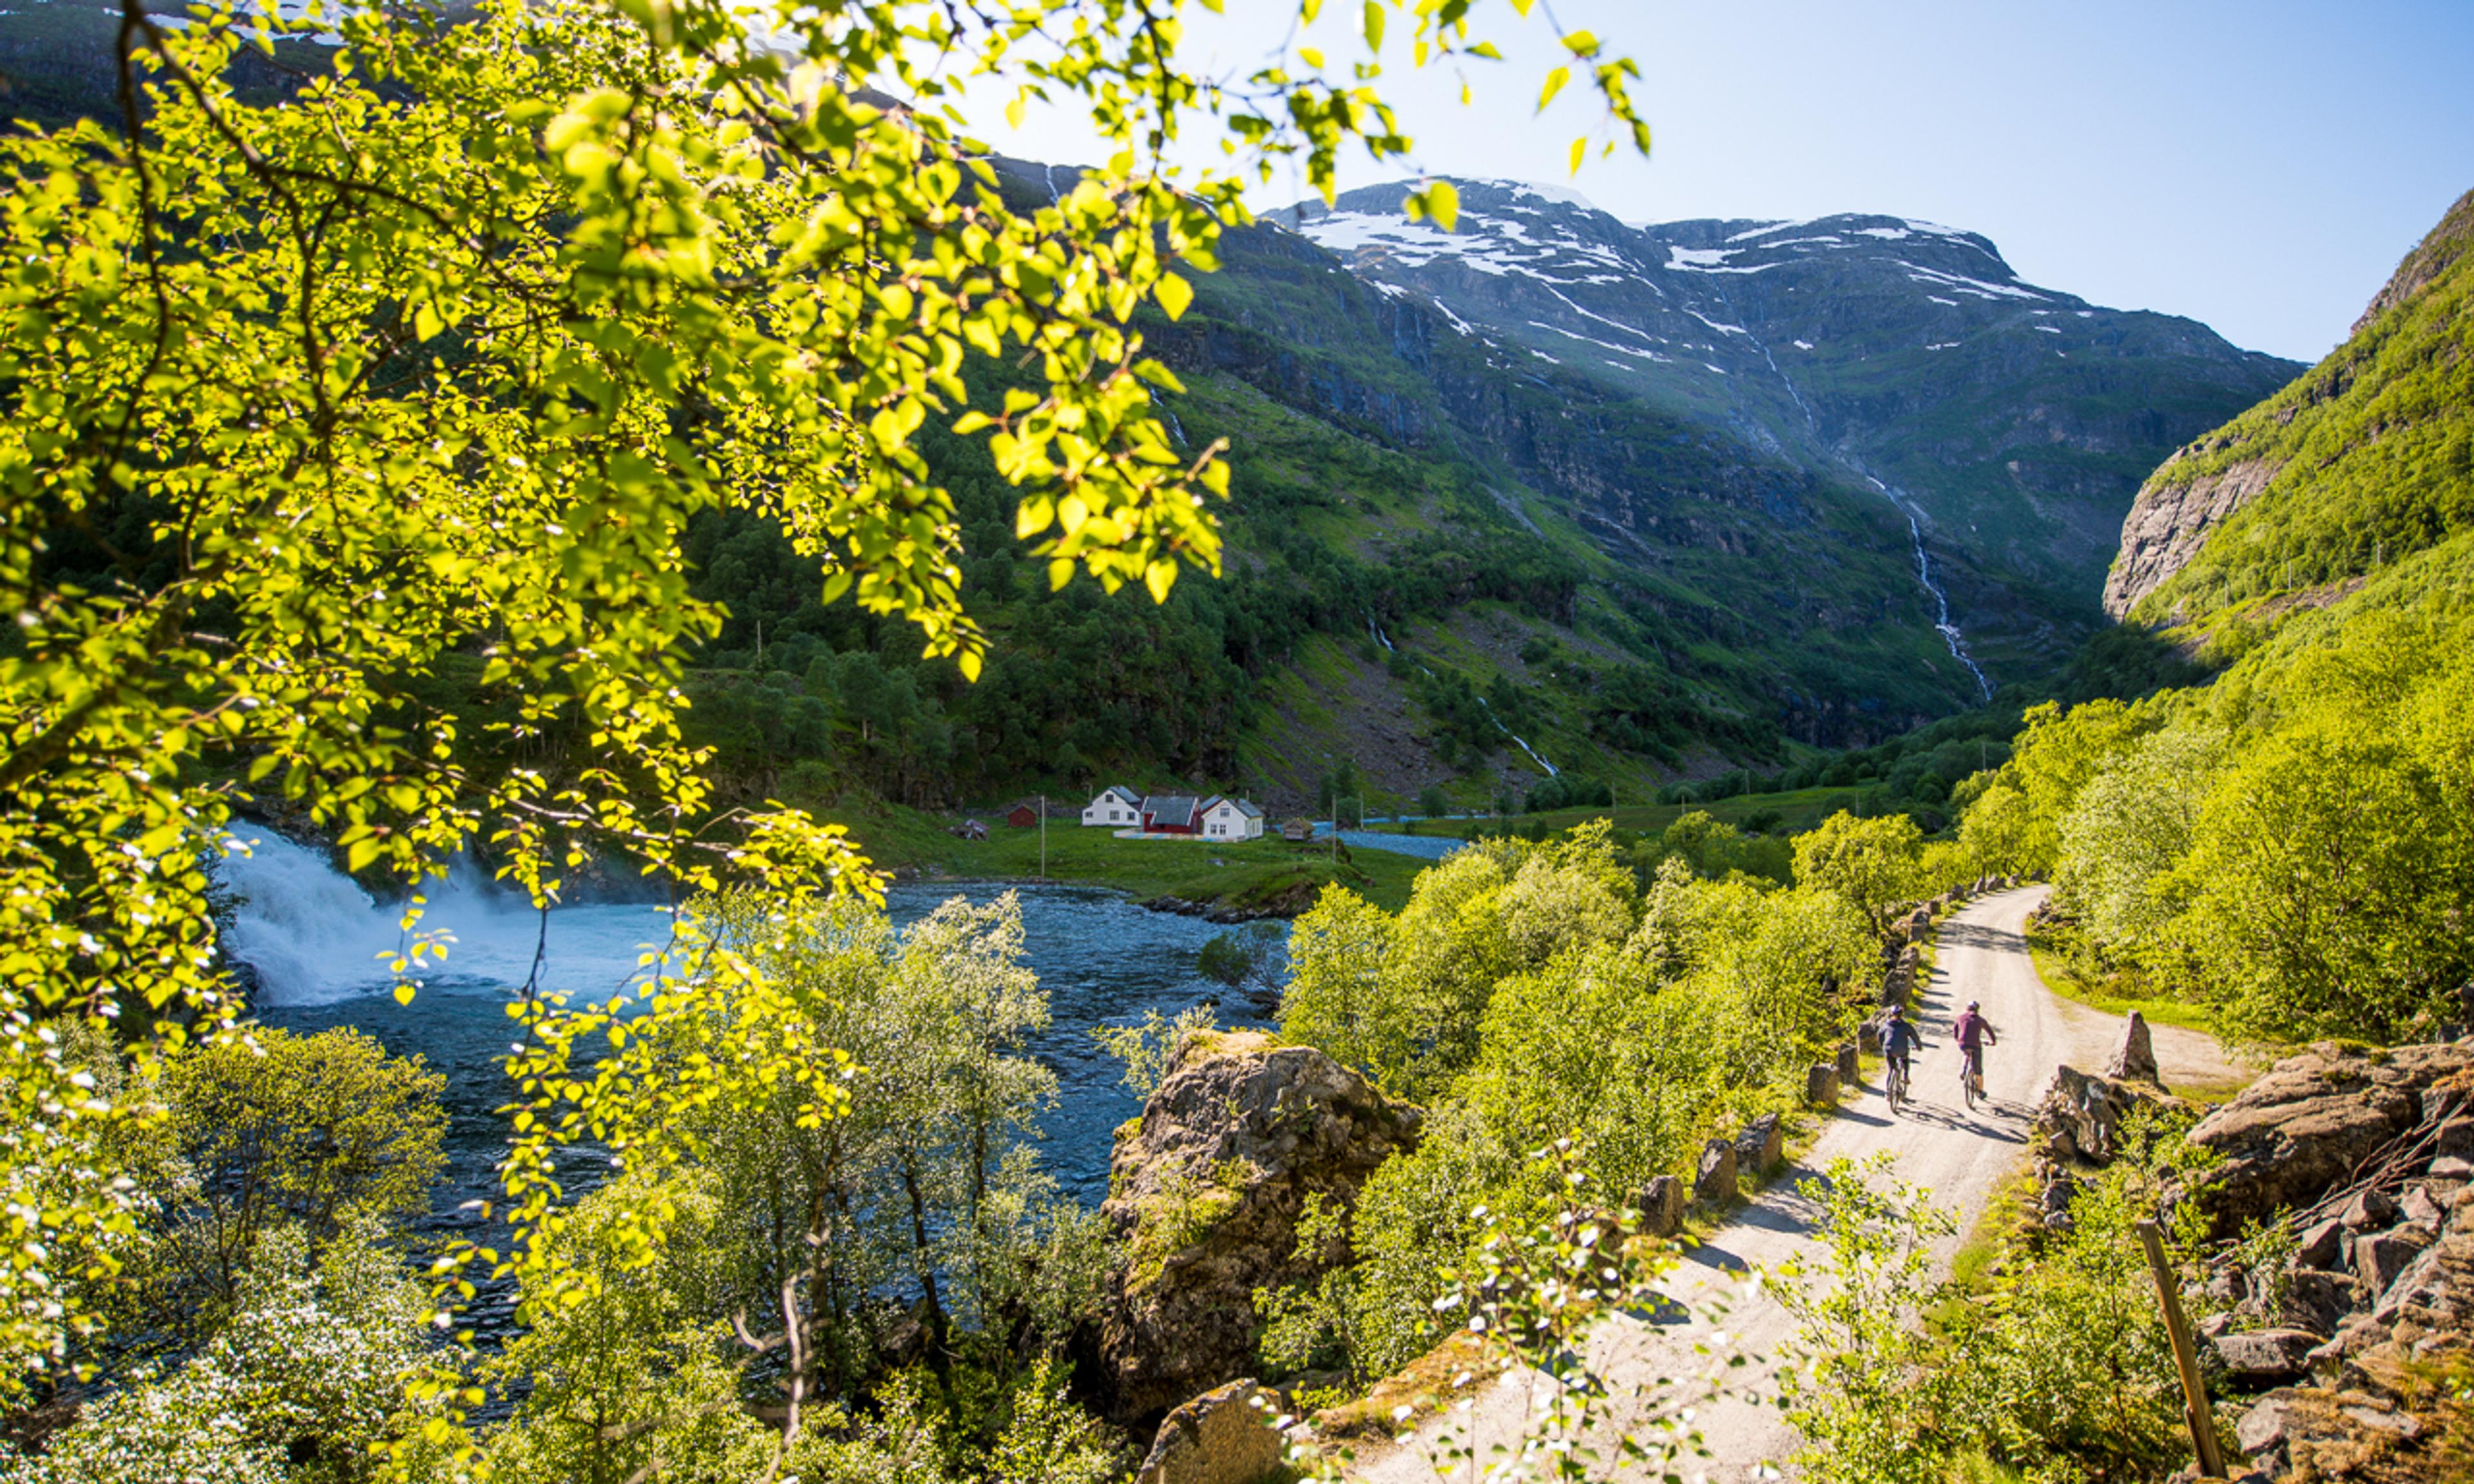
(2365, 458)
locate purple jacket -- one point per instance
(1970, 1029)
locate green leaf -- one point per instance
(1555, 82)
(1173, 294)
(1373, 24)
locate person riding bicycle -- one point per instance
(1972, 1031)
(1900, 1042)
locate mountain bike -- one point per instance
(1971, 1074)
(1895, 1083)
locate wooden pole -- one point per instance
(1043, 837)
(2186, 1358)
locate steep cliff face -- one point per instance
(2365, 458)
(2168, 522)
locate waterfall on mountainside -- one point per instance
(1942, 625)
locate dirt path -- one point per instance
(1962, 1156)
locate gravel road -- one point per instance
(1963, 1156)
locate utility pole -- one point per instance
(1043, 837)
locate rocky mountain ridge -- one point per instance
(2007, 426)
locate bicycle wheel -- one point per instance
(1966, 1080)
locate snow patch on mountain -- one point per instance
(1547, 190)
(1723, 329)
(1959, 283)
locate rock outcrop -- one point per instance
(2380, 1406)
(2078, 1121)
(2309, 1126)
(1225, 1436)
(1206, 1190)
(2170, 519)
(2349, 467)
(2368, 1330)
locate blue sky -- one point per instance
(2257, 166)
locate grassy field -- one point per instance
(2056, 973)
(1254, 873)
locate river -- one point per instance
(315, 941)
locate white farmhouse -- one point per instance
(1231, 819)
(1117, 808)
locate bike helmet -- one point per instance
(1971, 1004)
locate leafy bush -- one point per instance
(1239, 958)
(302, 1377)
(2060, 1370)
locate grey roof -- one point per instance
(1120, 791)
(1179, 808)
(1247, 808)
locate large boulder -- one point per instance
(1760, 1145)
(1224, 1436)
(1821, 1084)
(2306, 1126)
(1661, 1203)
(1206, 1191)
(2261, 1358)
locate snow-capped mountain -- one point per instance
(2013, 423)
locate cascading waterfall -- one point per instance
(1551, 771)
(313, 937)
(1518, 740)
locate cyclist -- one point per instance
(1972, 1031)
(1899, 1041)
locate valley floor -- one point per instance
(1962, 1156)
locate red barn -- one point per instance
(1173, 814)
(1024, 815)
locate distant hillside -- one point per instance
(2364, 460)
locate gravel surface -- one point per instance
(1963, 1156)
